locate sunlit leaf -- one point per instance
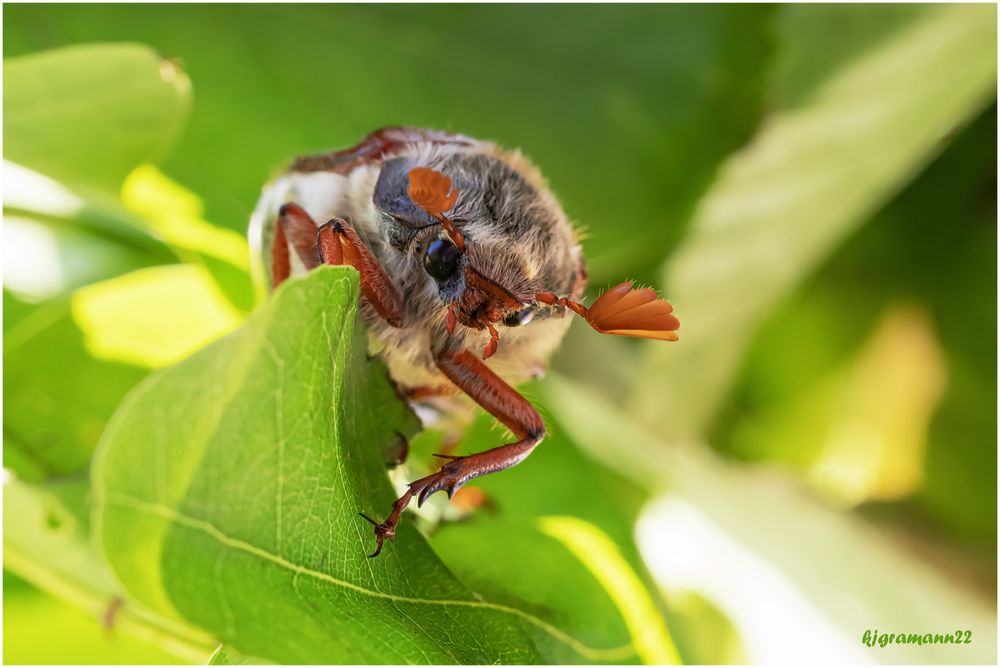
(153, 317)
(176, 215)
(875, 445)
(227, 656)
(601, 556)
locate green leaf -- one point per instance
(815, 171)
(248, 462)
(552, 483)
(87, 115)
(567, 568)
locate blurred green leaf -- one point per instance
(87, 115)
(173, 213)
(47, 541)
(32, 618)
(268, 409)
(704, 634)
(905, 254)
(851, 575)
(57, 396)
(14, 310)
(825, 39)
(555, 482)
(46, 257)
(70, 363)
(815, 172)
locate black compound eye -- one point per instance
(441, 260)
(518, 318)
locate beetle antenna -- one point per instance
(624, 310)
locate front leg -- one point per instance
(502, 402)
(335, 243)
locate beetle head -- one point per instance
(482, 234)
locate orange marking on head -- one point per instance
(431, 191)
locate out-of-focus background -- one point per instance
(814, 188)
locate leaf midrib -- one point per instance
(173, 515)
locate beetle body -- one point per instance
(518, 236)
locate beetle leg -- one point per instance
(280, 267)
(340, 244)
(335, 243)
(294, 225)
(502, 402)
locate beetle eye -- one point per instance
(518, 318)
(441, 260)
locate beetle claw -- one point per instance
(449, 478)
(383, 530)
